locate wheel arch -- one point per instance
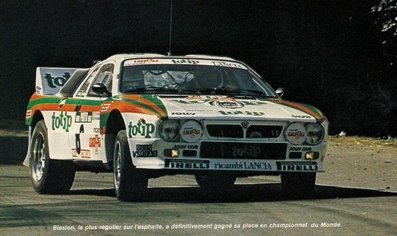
(37, 116)
(114, 124)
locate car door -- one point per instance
(87, 141)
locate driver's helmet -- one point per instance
(132, 79)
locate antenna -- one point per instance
(170, 38)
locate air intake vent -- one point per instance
(264, 131)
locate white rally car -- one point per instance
(143, 116)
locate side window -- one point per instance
(83, 89)
(104, 76)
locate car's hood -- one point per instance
(226, 107)
(223, 107)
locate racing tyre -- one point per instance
(215, 181)
(129, 183)
(48, 176)
(298, 185)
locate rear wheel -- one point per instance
(129, 182)
(298, 184)
(48, 176)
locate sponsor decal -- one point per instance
(105, 107)
(297, 166)
(242, 165)
(61, 121)
(53, 82)
(97, 130)
(227, 64)
(95, 143)
(78, 142)
(227, 103)
(184, 146)
(83, 153)
(247, 113)
(301, 117)
(187, 164)
(191, 131)
(145, 61)
(183, 113)
(96, 116)
(296, 133)
(141, 128)
(300, 149)
(252, 151)
(144, 150)
(185, 61)
(83, 117)
(28, 114)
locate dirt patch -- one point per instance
(361, 162)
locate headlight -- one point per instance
(169, 130)
(295, 133)
(314, 134)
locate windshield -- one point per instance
(205, 79)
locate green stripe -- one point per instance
(313, 109)
(43, 100)
(83, 102)
(103, 119)
(57, 100)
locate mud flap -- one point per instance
(26, 162)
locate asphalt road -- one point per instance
(343, 203)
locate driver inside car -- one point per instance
(133, 79)
(209, 80)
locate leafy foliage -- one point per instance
(386, 19)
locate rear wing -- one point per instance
(49, 80)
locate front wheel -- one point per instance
(48, 176)
(298, 185)
(129, 182)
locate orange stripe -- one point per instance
(142, 100)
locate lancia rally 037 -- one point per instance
(143, 116)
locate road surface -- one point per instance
(357, 195)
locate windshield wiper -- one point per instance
(245, 92)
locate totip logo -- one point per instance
(142, 128)
(53, 82)
(61, 121)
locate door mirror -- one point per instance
(100, 89)
(280, 92)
